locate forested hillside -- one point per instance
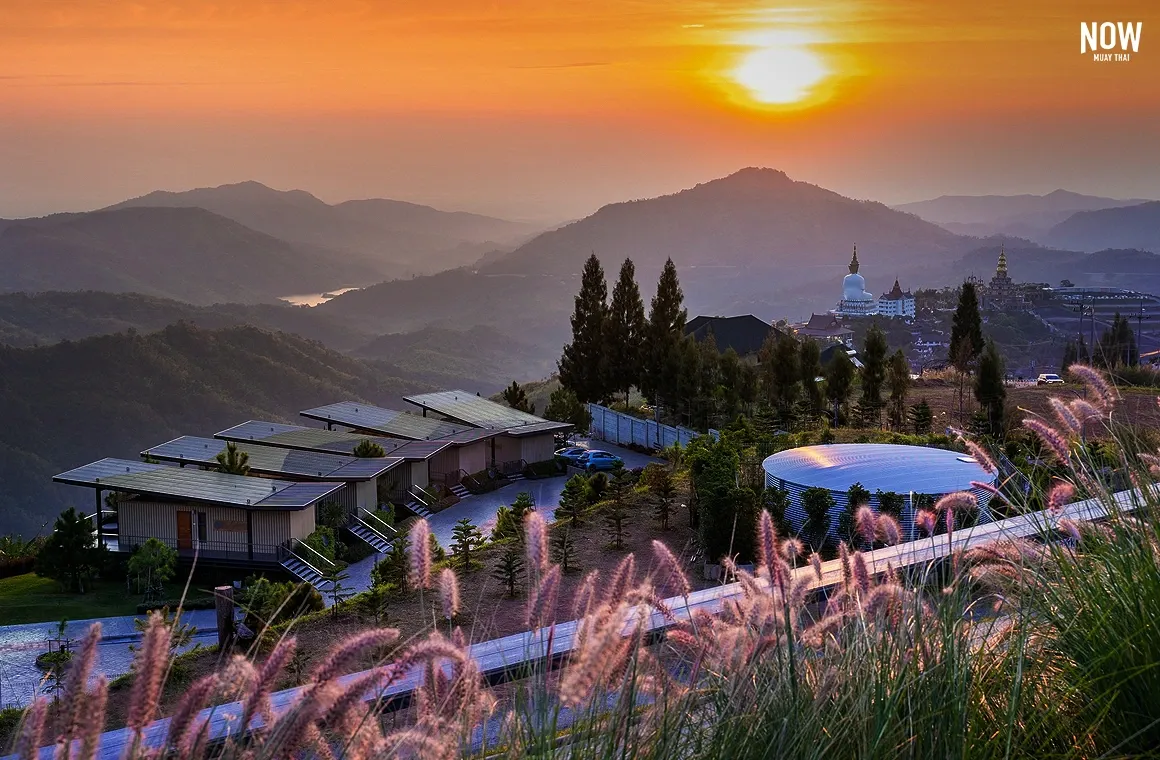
(67, 404)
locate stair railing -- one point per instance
(296, 542)
(376, 524)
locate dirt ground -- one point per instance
(486, 610)
(1137, 407)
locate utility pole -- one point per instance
(1139, 331)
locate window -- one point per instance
(202, 524)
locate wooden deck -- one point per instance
(513, 657)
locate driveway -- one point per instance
(20, 679)
(481, 509)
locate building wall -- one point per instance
(447, 461)
(474, 456)
(538, 448)
(224, 527)
(508, 449)
(366, 493)
(301, 523)
(273, 527)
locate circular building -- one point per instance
(910, 475)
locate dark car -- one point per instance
(570, 455)
(596, 459)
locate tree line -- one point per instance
(615, 347)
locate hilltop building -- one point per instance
(744, 334)
(1001, 293)
(825, 327)
(896, 303)
(858, 302)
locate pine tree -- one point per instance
(515, 397)
(563, 406)
(1117, 346)
(510, 569)
(989, 388)
(624, 330)
(687, 388)
(779, 364)
(574, 499)
(465, 539)
(966, 329)
(730, 376)
(368, 449)
(662, 336)
(394, 568)
(966, 338)
(616, 511)
(563, 547)
(660, 484)
(921, 417)
(233, 460)
(810, 368)
(709, 365)
(874, 351)
(70, 555)
(582, 364)
(898, 381)
(839, 382)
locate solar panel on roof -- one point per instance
(472, 409)
(271, 460)
(198, 485)
(304, 438)
(389, 422)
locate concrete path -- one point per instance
(481, 509)
(21, 680)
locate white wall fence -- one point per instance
(620, 428)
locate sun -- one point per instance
(781, 74)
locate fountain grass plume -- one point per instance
(671, 573)
(622, 579)
(420, 566)
(542, 603)
(77, 681)
(1096, 382)
(816, 563)
(265, 679)
(1065, 415)
(1059, 496)
(149, 672)
(449, 593)
(95, 703)
(348, 653)
(1051, 438)
(766, 540)
(536, 534)
(888, 530)
(31, 737)
(866, 523)
(924, 520)
(181, 723)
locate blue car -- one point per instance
(596, 459)
(570, 455)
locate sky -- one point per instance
(546, 110)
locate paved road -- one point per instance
(20, 679)
(481, 509)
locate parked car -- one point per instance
(571, 455)
(597, 459)
(1049, 378)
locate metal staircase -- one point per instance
(418, 503)
(376, 533)
(460, 491)
(300, 568)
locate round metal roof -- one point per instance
(877, 466)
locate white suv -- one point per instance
(1049, 378)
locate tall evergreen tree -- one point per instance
(966, 338)
(921, 417)
(730, 375)
(687, 388)
(810, 368)
(839, 382)
(515, 397)
(1117, 346)
(582, 364)
(779, 360)
(662, 337)
(624, 333)
(709, 363)
(874, 351)
(989, 388)
(898, 382)
(966, 329)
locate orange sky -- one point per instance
(547, 109)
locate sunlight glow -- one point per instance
(780, 74)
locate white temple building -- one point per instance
(858, 302)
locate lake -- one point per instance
(313, 299)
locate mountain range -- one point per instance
(1124, 227)
(1028, 216)
(396, 238)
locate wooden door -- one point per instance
(185, 530)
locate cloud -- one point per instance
(576, 65)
